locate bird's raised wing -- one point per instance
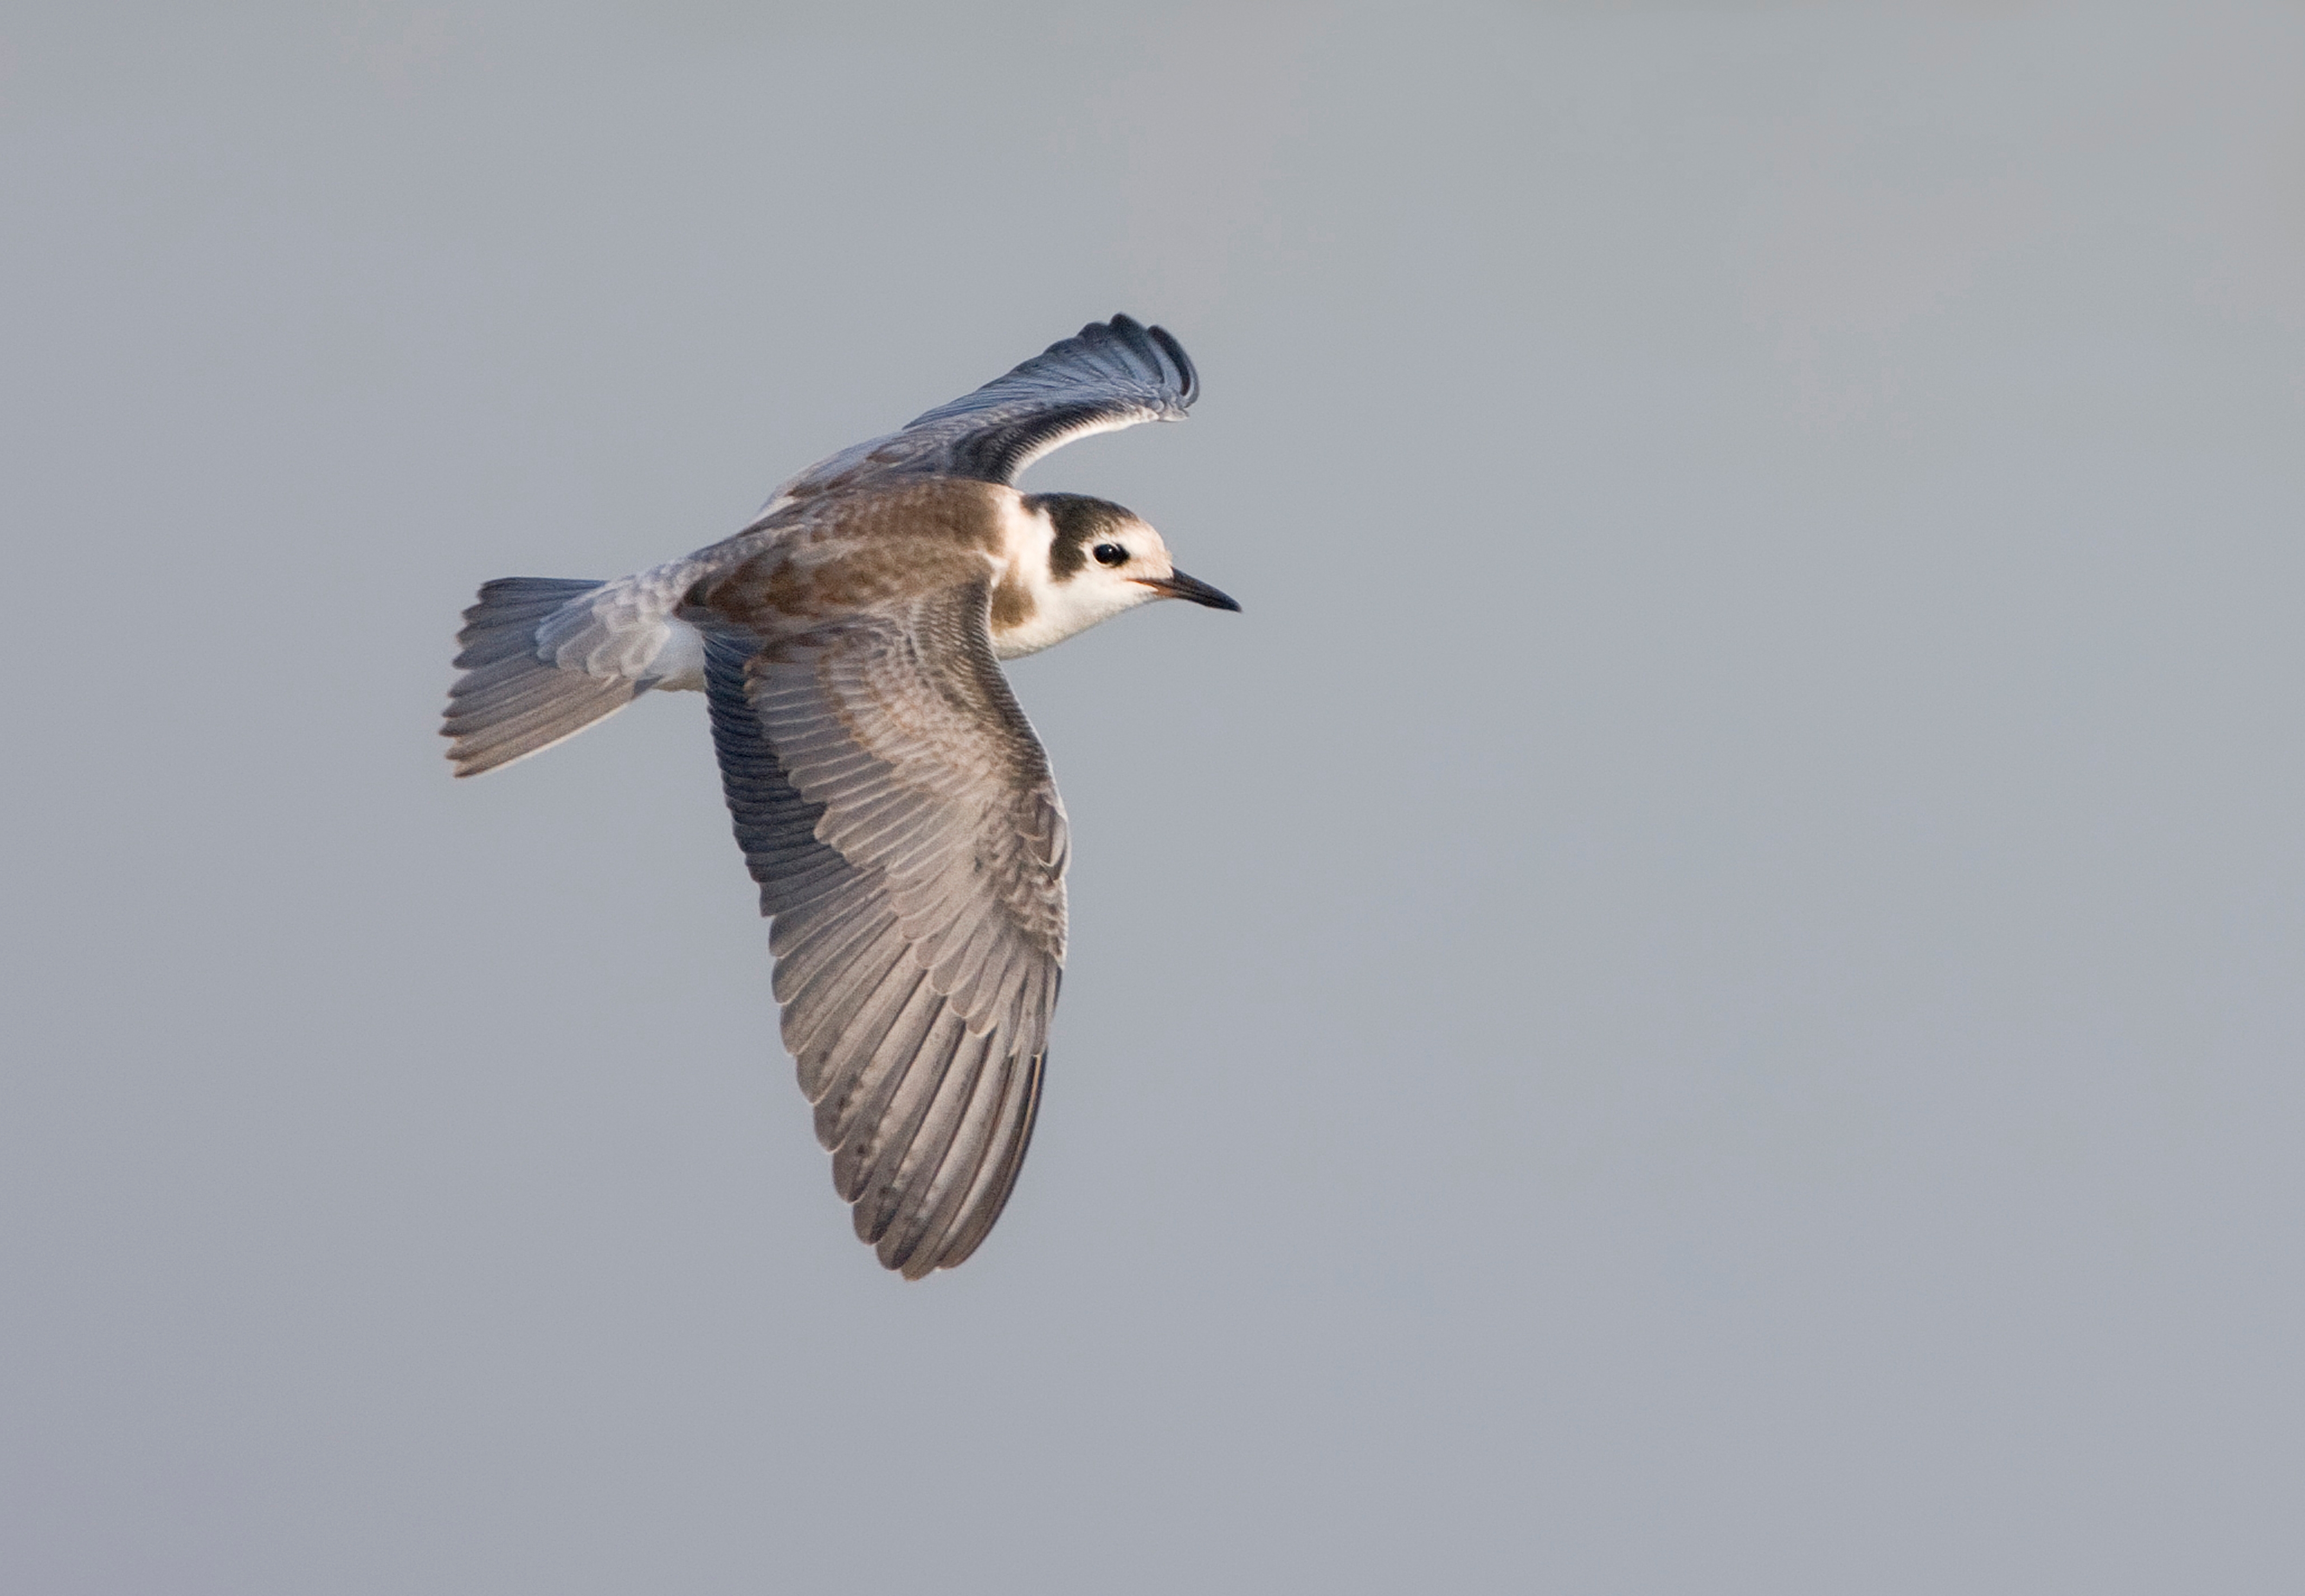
(1111, 374)
(899, 814)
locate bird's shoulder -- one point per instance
(874, 550)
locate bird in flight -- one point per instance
(890, 797)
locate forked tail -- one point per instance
(513, 700)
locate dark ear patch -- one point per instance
(1080, 520)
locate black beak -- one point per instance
(1178, 585)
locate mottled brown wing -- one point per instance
(897, 812)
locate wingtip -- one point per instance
(1191, 388)
(1162, 344)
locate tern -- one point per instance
(890, 798)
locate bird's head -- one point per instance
(1103, 559)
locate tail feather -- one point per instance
(511, 701)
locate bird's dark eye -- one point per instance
(1110, 553)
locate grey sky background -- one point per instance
(1702, 994)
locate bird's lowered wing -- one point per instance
(1110, 375)
(897, 812)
